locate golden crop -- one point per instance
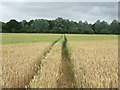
(19, 63)
(95, 63)
(47, 75)
(87, 64)
(1, 82)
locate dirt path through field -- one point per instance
(66, 74)
(44, 56)
(47, 51)
(21, 62)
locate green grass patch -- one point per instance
(90, 37)
(14, 38)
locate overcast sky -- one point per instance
(87, 11)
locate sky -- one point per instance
(76, 11)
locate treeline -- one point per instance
(60, 25)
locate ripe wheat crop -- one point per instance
(47, 75)
(19, 63)
(95, 63)
(88, 61)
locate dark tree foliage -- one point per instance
(60, 25)
(12, 26)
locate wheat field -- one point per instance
(19, 63)
(72, 61)
(48, 73)
(1, 81)
(95, 63)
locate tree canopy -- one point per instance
(60, 25)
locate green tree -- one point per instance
(104, 28)
(40, 25)
(0, 27)
(114, 27)
(97, 27)
(13, 24)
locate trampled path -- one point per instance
(65, 74)
(47, 51)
